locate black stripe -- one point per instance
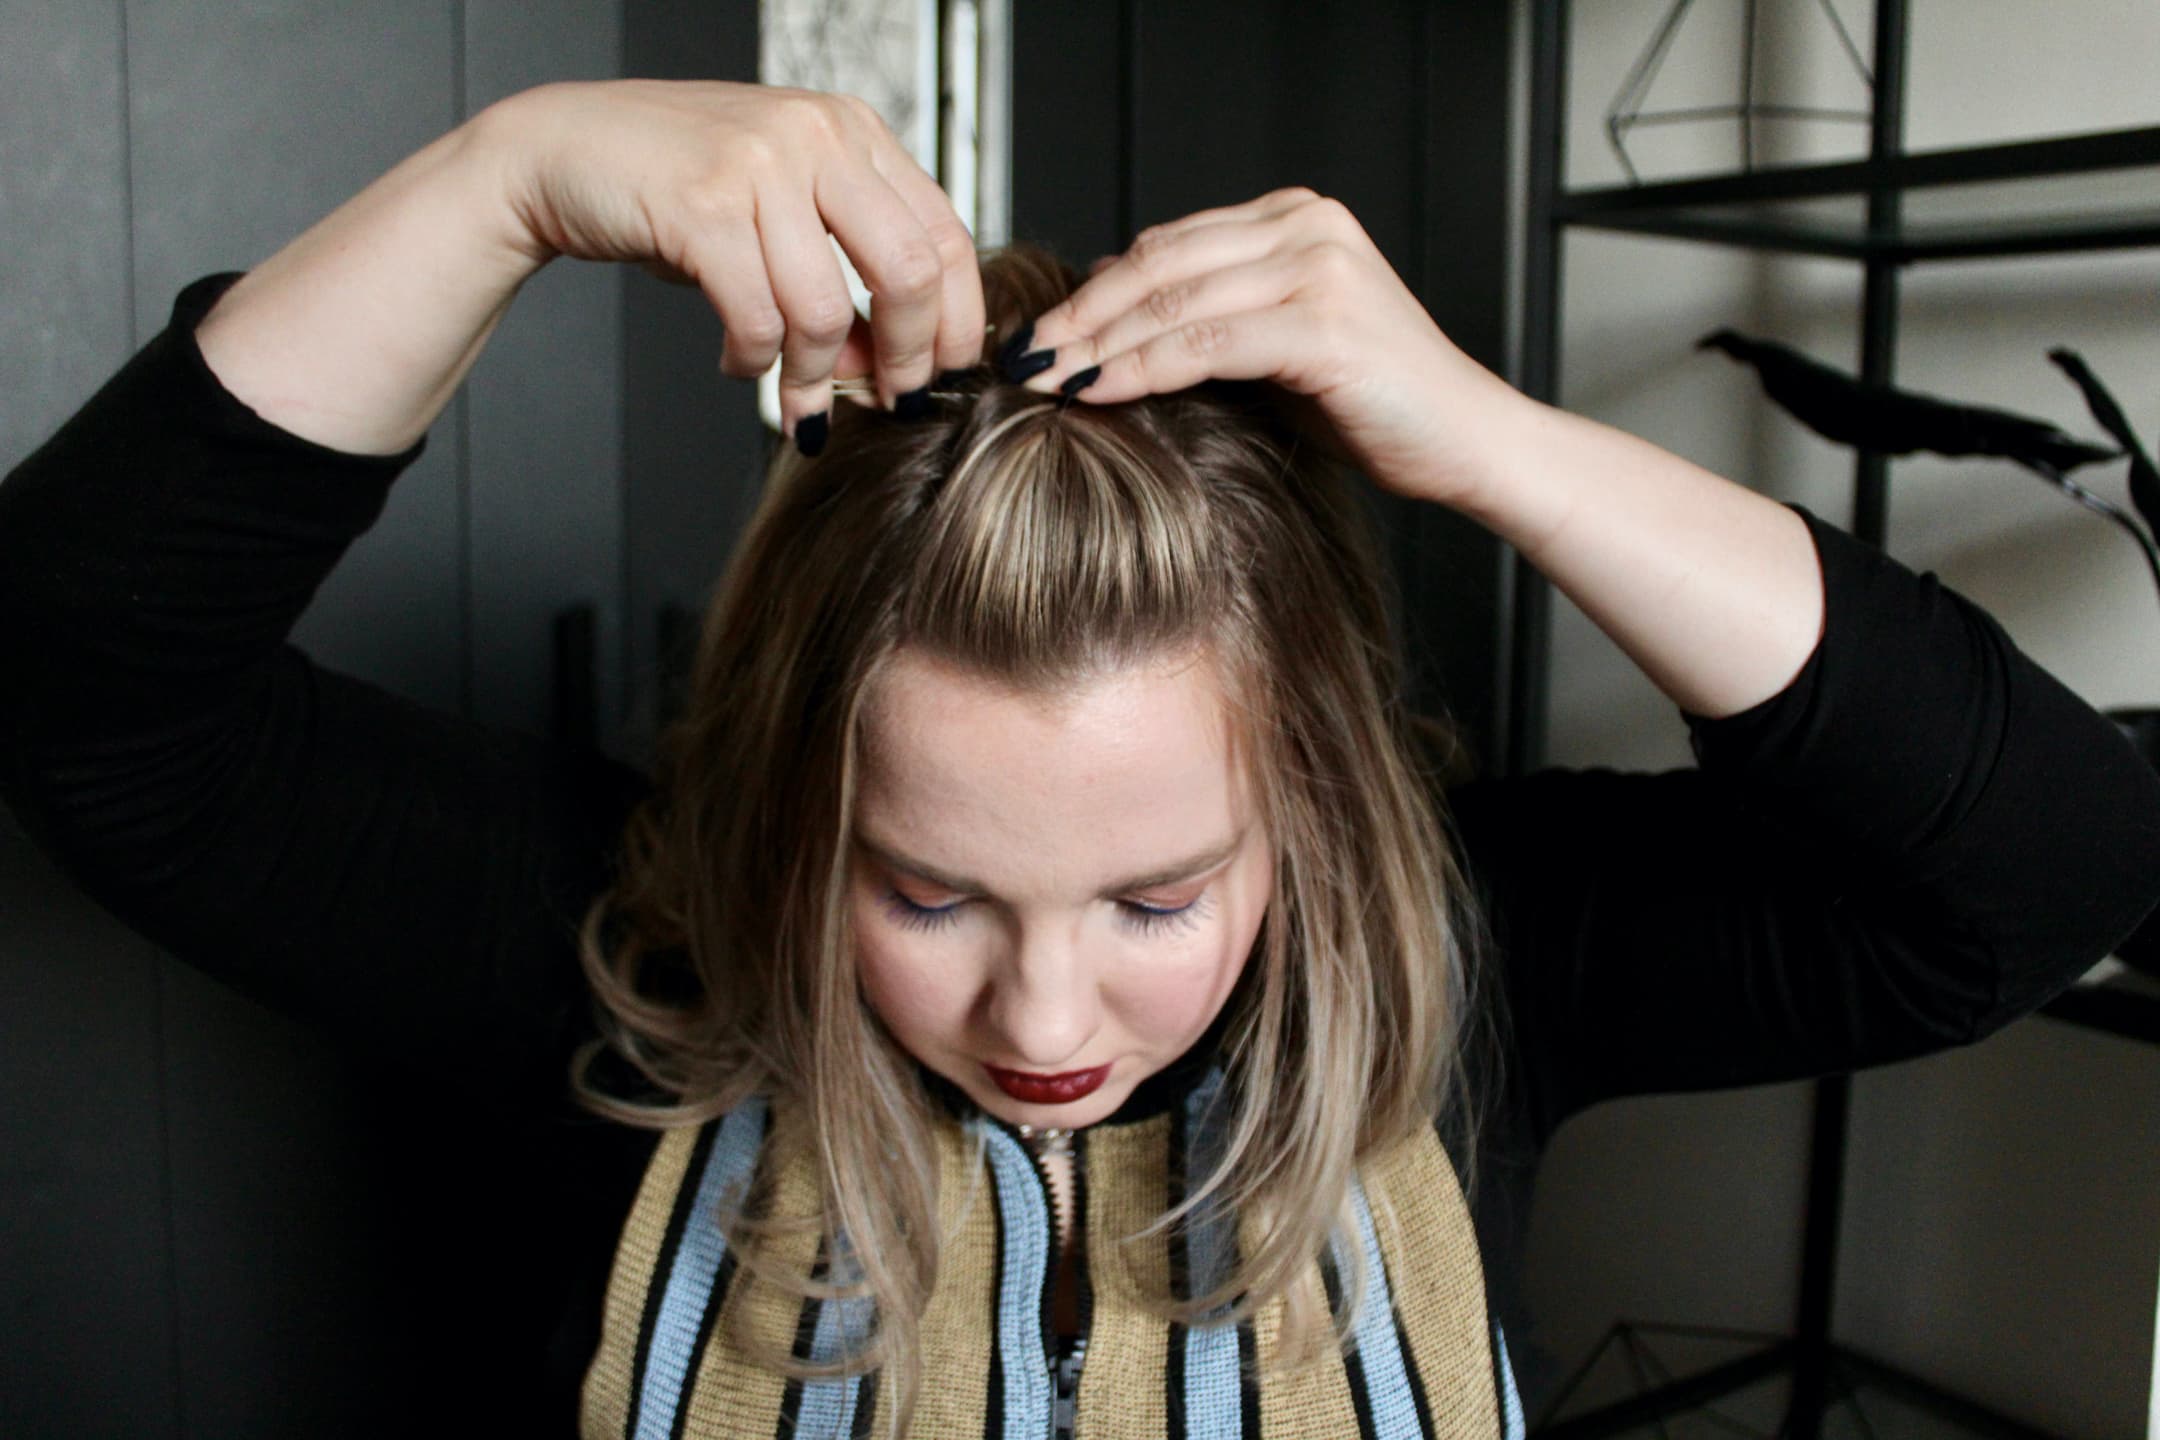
(1499, 1382)
(1248, 1349)
(1180, 1180)
(664, 1264)
(707, 1323)
(1353, 1363)
(865, 1403)
(994, 1408)
(805, 1337)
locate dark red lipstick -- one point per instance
(1048, 1089)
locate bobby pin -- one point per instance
(859, 389)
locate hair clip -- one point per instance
(865, 389)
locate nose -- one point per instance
(1043, 1005)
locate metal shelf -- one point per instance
(1893, 209)
(2074, 193)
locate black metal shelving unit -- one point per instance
(1885, 212)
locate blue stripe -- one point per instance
(697, 1261)
(828, 1404)
(1025, 1220)
(1511, 1415)
(1212, 1393)
(1379, 1350)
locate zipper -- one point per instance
(1086, 1298)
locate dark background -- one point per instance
(210, 1222)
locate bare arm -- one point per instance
(1714, 590)
(357, 333)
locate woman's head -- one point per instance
(982, 696)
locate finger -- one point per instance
(1251, 345)
(1260, 207)
(1162, 258)
(1210, 295)
(857, 357)
(896, 259)
(729, 267)
(814, 304)
(960, 309)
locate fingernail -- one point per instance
(810, 433)
(1018, 362)
(1026, 367)
(1079, 380)
(1016, 346)
(914, 405)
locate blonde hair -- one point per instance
(1038, 543)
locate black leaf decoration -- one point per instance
(1891, 421)
(2144, 478)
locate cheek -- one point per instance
(918, 1000)
(1176, 995)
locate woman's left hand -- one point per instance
(1289, 289)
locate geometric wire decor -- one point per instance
(1628, 111)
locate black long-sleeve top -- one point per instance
(1922, 837)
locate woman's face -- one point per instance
(1048, 884)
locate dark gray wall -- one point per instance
(211, 1223)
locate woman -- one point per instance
(1038, 953)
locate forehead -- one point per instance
(1032, 789)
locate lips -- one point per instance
(1048, 1089)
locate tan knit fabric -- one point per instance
(1439, 1283)
(605, 1404)
(1121, 1381)
(1420, 1223)
(956, 1327)
(732, 1397)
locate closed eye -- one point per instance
(1145, 919)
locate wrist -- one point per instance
(494, 156)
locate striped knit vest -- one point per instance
(1428, 1360)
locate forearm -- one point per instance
(357, 333)
(1713, 590)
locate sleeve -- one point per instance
(398, 877)
(1923, 837)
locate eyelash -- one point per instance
(1140, 918)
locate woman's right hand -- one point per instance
(732, 188)
(357, 333)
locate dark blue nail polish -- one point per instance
(914, 405)
(810, 432)
(1026, 367)
(1019, 344)
(1079, 380)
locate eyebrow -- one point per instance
(1169, 874)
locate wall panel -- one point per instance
(544, 409)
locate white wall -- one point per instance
(2002, 1228)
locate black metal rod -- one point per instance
(2126, 1013)
(1968, 1415)
(2021, 160)
(1530, 611)
(2041, 235)
(1833, 1096)
(1677, 1398)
